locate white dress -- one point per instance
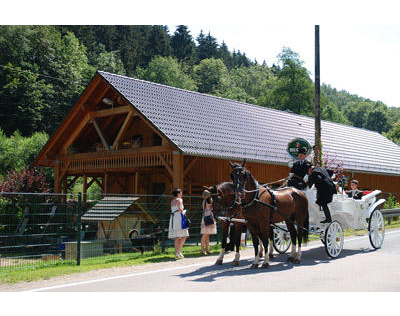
(175, 224)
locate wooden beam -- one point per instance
(57, 177)
(65, 123)
(124, 127)
(122, 229)
(72, 181)
(84, 188)
(90, 183)
(105, 183)
(98, 183)
(65, 169)
(100, 133)
(190, 166)
(123, 187)
(113, 111)
(165, 163)
(136, 182)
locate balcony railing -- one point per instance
(91, 162)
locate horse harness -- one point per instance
(273, 206)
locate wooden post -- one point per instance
(64, 189)
(105, 183)
(318, 143)
(177, 163)
(57, 177)
(136, 182)
(84, 190)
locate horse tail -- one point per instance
(306, 226)
(302, 201)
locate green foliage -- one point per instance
(394, 133)
(44, 69)
(41, 76)
(391, 202)
(211, 76)
(292, 89)
(168, 71)
(17, 152)
(182, 44)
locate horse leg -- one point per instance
(225, 229)
(238, 233)
(261, 248)
(264, 238)
(254, 237)
(271, 244)
(299, 239)
(292, 231)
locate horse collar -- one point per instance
(255, 198)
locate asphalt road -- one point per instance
(358, 268)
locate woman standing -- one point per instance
(208, 226)
(175, 230)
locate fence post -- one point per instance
(78, 237)
(163, 210)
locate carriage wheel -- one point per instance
(281, 240)
(133, 233)
(334, 239)
(376, 229)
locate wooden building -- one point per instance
(136, 137)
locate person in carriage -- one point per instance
(299, 171)
(325, 189)
(354, 193)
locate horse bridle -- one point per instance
(224, 210)
(257, 195)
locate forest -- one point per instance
(44, 69)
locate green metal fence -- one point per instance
(38, 228)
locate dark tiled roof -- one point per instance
(109, 208)
(205, 125)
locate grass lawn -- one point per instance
(45, 270)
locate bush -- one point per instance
(26, 180)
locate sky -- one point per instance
(363, 60)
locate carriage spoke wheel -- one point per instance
(376, 229)
(334, 239)
(281, 241)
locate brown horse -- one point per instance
(223, 202)
(262, 207)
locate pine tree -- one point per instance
(158, 42)
(182, 44)
(225, 55)
(207, 48)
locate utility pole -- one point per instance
(318, 143)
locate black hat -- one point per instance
(302, 150)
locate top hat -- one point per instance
(302, 150)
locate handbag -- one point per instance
(185, 221)
(208, 220)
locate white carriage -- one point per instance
(346, 213)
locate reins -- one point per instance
(265, 185)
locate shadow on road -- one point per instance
(310, 257)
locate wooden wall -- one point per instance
(210, 171)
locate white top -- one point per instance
(175, 222)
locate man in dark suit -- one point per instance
(354, 193)
(325, 189)
(299, 170)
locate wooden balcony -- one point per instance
(109, 160)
